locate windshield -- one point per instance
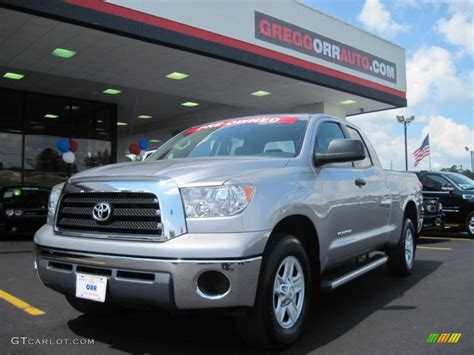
(462, 181)
(25, 196)
(260, 136)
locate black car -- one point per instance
(455, 192)
(433, 216)
(23, 209)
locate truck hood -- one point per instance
(187, 172)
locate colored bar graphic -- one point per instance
(442, 338)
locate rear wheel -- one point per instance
(401, 259)
(91, 308)
(282, 298)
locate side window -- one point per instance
(367, 162)
(327, 131)
(434, 182)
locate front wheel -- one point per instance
(470, 224)
(402, 258)
(282, 298)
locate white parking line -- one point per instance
(433, 248)
(448, 238)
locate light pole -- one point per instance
(406, 121)
(472, 157)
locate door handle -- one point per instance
(360, 182)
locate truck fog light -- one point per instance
(18, 213)
(213, 285)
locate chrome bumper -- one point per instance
(168, 283)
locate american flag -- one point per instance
(423, 151)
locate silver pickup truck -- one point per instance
(247, 214)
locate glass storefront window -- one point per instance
(48, 115)
(43, 178)
(92, 153)
(41, 154)
(10, 137)
(91, 120)
(31, 125)
(10, 159)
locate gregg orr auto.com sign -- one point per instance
(281, 33)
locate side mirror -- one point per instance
(447, 187)
(341, 150)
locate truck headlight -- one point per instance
(54, 198)
(468, 196)
(216, 201)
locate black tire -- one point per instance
(90, 308)
(260, 326)
(466, 225)
(398, 263)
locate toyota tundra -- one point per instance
(248, 215)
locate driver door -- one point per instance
(343, 206)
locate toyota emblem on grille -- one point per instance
(102, 212)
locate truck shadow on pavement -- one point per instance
(332, 315)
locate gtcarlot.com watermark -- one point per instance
(50, 341)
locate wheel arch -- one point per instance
(411, 212)
(305, 231)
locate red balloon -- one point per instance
(134, 148)
(73, 145)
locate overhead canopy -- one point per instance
(298, 55)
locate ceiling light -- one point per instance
(145, 117)
(347, 102)
(112, 91)
(122, 123)
(50, 115)
(154, 140)
(74, 108)
(177, 76)
(261, 93)
(189, 104)
(63, 53)
(14, 76)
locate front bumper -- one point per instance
(432, 222)
(22, 224)
(155, 282)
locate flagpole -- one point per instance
(429, 155)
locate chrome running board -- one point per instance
(340, 280)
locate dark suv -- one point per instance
(23, 209)
(455, 192)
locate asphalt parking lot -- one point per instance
(375, 314)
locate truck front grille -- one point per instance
(130, 213)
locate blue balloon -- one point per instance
(144, 143)
(63, 145)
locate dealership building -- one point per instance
(108, 73)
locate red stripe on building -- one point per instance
(112, 9)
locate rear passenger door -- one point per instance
(376, 195)
(342, 208)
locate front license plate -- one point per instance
(91, 287)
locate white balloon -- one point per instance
(69, 157)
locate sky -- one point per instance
(438, 37)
